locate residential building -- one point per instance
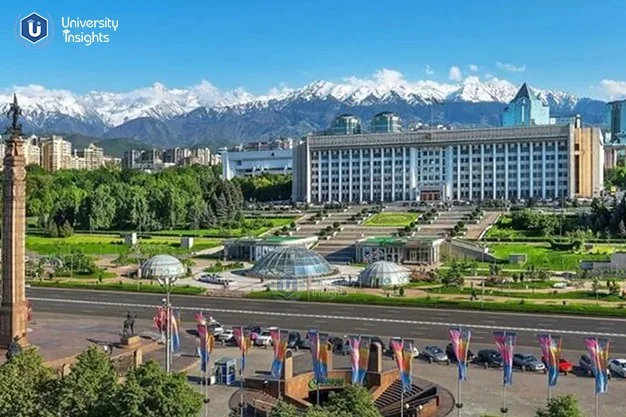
(32, 151)
(56, 154)
(386, 122)
(466, 164)
(246, 163)
(616, 121)
(78, 162)
(526, 109)
(93, 156)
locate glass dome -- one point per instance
(296, 262)
(384, 274)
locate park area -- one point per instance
(390, 220)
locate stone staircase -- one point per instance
(445, 222)
(389, 402)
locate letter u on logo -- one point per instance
(34, 28)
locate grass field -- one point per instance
(220, 232)
(542, 256)
(119, 286)
(97, 244)
(433, 302)
(390, 219)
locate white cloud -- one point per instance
(613, 89)
(510, 67)
(473, 68)
(429, 70)
(455, 74)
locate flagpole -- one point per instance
(402, 402)
(503, 409)
(459, 404)
(318, 392)
(597, 409)
(242, 380)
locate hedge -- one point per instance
(118, 286)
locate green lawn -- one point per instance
(140, 286)
(221, 232)
(100, 244)
(390, 220)
(542, 256)
(565, 295)
(433, 302)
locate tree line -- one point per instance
(93, 389)
(112, 199)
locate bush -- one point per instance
(292, 225)
(336, 225)
(461, 224)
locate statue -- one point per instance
(14, 348)
(14, 113)
(129, 324)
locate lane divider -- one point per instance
(331, 317)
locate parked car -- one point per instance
(264, 339)
(618, 367)
(565, 366)
(304, 344)
(586, 366)
(452, 355)
(435, 354)
(216, 327)
(528, 363)
(294, 340)
(489, 358)
(226, 336)
(254, 331)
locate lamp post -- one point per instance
(167, 282)
(165, 269)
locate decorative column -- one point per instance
(13, 310)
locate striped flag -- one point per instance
(355, 344)
(551, 351)
(460, 339)
(599, 355)
(505, 341)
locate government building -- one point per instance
(518, 161)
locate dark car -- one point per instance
(340, 345)
(304, 344)
(294, 340)
(489, 358)
(587, 367)
(452, 355)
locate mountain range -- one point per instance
(204, 115)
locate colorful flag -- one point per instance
(355, 344)
(280, 339)
(314, 341)
(244, 342)
(551, 352)
(175, 334)
(460, 339)
(505, 341)
(407, 367)
(324, 351)
(397, 347)
(364, 357)
(599, 355)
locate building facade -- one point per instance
(386, 122)
(248, 163)
(56, 154)
(526, 109)
(92, 155)
(345, 124)
(616, 121)
(472, 164)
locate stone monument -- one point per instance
(13, 308)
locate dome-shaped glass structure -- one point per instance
(384, 274)
(294, 262)
(162, 266)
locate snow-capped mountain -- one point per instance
(159, 115)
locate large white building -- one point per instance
(246, 163)
(470, 164)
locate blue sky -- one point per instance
(569, 45)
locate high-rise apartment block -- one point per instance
(56, 154)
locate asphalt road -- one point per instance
(341, 319)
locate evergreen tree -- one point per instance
(566, 406)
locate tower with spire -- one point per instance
(526, 109)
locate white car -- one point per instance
(618, 367)
(226, 336)
(263, 339)
(216, 327)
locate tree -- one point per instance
(354, 400)
(25, 386)
(282, 409)
(91, 387)
(149, 391)
(562, 406)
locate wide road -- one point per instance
(340, 319)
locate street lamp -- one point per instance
(166, 270)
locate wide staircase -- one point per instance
(445, 222)
(389, 402)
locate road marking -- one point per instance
(330, 317)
